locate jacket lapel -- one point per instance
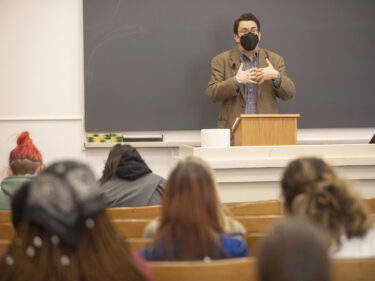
(261, 63)
(235, 63)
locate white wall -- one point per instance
(41, 76)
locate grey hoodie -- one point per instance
(9, 186)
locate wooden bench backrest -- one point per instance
(139, 243)
(6, 231)
(271, 207)
(148, 212)
(5, 216)
(371, 204)
(131, 228)
(353, 269)
(253, 241)
(4, 243)
(241, 269)
(257, 223)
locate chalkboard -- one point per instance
(147, 63)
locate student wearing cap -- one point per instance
(25, 161)
(64, 233)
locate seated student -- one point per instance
(192, 225)
(63, 232)
(128, 181)
(25, 161)
(294, 250)
(312, 189)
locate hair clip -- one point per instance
(55, 240)
(38, 242)
(90, 223)
(30, 251)
(65, 261)
(9, 260)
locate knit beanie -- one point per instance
(25, 149)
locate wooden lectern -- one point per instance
(265, 129)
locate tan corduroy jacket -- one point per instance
(221, 87)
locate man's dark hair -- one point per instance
(245, 17)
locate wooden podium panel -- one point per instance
(265, 129)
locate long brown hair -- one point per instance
(112, 162)
(191, 216)
(101, 255)
(311, 188)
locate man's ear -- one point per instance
(9, 171)
(236, 38)
(259, 35)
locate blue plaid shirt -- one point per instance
(251, 88)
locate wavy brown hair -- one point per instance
(311, 188)
(100, 255)
(301, 175)
(191, 216)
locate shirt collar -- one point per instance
(243, 57)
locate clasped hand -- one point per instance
(256, 75)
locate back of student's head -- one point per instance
(25, 158)
(301, 175)
(124, 157)
(335, 206)
(311, 188)
(294, 250)
(191, 215)
(63, 232)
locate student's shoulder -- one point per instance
(233, 246)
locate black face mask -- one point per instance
(249, 41)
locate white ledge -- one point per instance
(142, 144)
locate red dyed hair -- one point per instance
(25, 149)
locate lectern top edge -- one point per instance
(269, 115)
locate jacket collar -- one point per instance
(235, 61)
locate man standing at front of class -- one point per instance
(247, 79)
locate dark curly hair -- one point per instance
(245, 17)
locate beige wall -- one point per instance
(41, 76)
(42, 86)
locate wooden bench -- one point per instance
(370, 202)
(241, 269)
(253, 240)
(131, 228)
(257, 223)
(5, 216)
(147, 212)
(353, 269)
(6, 231)
(4, 243)
(139, 243)
(270, 207)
